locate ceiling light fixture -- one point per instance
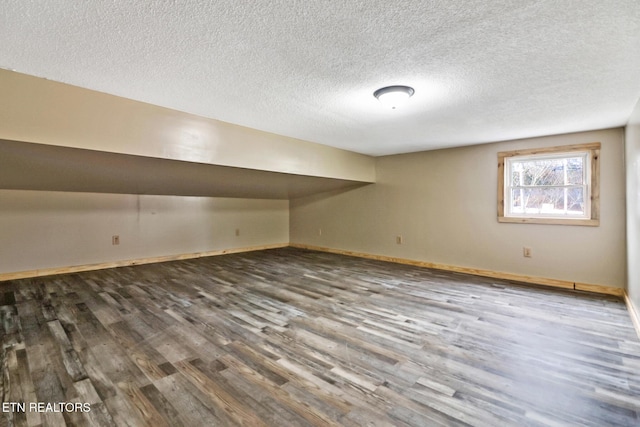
(393, 96)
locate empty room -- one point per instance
(410, 213)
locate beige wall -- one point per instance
(632, 155)
(42, 230)
(47, 112)
(47, 229)
(444, 202)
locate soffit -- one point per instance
(28, 166)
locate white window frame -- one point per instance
(591, 153)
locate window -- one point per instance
(557, 185)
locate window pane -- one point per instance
(547, 201)
(575, 170)
(549, 185)
(542, 172)
(575, 201)
(515, 176)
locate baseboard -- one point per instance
(478, 272)
(140, 261)
(608, 290)
(634, 313)
(598, 289)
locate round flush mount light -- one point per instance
(393, 96)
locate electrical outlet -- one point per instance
(398, 240)
(115, 239)
(237, 232)
(319, 231)
(526, 252)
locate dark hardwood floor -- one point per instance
(289, 337)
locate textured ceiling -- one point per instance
(483, 71)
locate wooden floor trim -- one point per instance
(140, 261)
(608, 290)
(598, 289)
(633, 312)
(291, 337)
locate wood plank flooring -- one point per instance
(289, 337)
